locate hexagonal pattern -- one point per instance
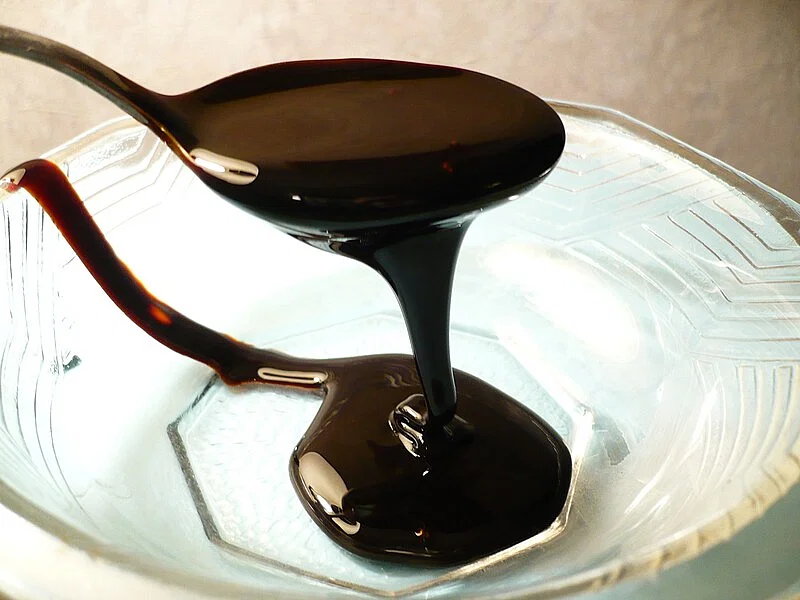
(234, 446)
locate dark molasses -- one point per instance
(388, 163)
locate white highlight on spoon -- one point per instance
(226, 168)
(296, 377)
(207, 165)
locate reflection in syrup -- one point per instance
(327, 490)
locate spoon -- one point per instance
(386, 162)
(352, 156)
(333, 148)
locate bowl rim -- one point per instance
(32, 537)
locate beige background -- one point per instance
(723, 75)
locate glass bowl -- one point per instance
(645, 300)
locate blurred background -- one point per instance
(722, 75)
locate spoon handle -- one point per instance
(235, 362)
(147, 107)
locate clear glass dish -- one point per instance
(645, 300)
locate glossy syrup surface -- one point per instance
(495, 476)
(387, 163)
(345, 147)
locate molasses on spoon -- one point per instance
(388, 163)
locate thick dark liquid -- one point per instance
(387, 163)
(494, 476)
